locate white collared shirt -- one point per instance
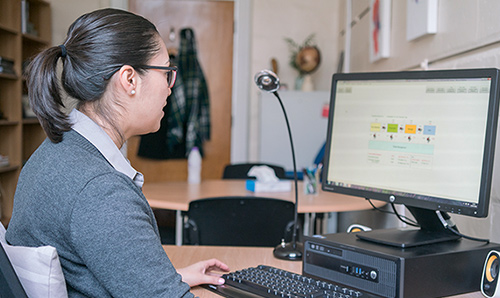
(101, 140)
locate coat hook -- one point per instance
(171, 35)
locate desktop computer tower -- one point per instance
(435, 270)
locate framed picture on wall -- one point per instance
(421, 18)
(380, 29)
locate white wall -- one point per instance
(468, 37)
(272, 22)
(65, 12)
(304, 111)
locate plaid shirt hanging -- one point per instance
(186, 123)
(195, 91)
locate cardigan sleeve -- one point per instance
(115, 236)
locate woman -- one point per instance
(77, 192)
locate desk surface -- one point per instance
(176, 195)
(238, 258)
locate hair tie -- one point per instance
(63, 51)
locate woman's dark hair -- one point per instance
(96, 46)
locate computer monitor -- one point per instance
(424, 139)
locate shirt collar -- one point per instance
(101, 140)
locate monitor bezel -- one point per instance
(481, 210)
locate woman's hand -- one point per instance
(203, 273)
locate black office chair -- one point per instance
(239, 221)
(239, 171)
(165, 219)
(10, 286)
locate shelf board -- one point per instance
(31, 121)
(8, 168)
(34, 38)
(8, 29)
(43, 2)
(8, 76)
(8, 123)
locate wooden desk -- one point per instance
(176, 195)
(239, 258)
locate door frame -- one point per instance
(241, 81)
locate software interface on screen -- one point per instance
(420, 138)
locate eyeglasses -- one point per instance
(171, 72)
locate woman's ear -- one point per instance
(128, 77)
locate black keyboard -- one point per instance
(266, 281)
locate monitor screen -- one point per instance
(424, 139)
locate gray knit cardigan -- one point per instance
(68, 196)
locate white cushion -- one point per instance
(38, 269)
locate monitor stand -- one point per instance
(431, 231)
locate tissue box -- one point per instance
(279, 186)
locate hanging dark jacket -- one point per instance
(186, 123)
(195, 91)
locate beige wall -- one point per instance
(275, 20)
(465, 29)
(64, 12)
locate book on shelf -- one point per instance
(7, 70)
(7, 65)
(24, 16)
(4, 161)
(6, 62)
(27, 27)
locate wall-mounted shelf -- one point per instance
(18, 137)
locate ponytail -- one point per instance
(45, 93)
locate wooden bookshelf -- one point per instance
(19, 137)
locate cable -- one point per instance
(376, 208)
(402, 218)
(450, 226)
(465, 236)
(447, 223)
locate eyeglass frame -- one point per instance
(172, 69)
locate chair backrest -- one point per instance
(239, 171)
(10, 286)
(239, 221)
